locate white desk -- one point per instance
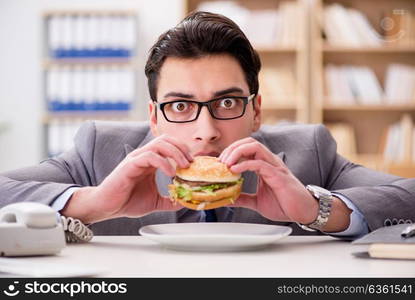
(293, 256)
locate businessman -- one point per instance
(203, 84)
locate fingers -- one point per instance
(149, 160)
(246, 201)
(271, 211)
(249, 149)
(165, 203)
(183, 147)
(223, 156)
(253, 150)
(167, 147)
(262, 168)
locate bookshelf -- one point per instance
(362, 122)
(284, 84)
(294, 53)
(89, 71)
(338, 64)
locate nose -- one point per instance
(206, 129)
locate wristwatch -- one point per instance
(325, 200)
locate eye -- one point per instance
(227, 103)
(180, 106)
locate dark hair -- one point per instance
(201, 34)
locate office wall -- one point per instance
(21, 58)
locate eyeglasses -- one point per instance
(224, 108)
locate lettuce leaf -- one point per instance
(216, 186)
(211, 188)
(183, 193)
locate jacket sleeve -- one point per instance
(379, 196)
(48, 180)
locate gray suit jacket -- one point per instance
(309, 151)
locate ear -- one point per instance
(257, 112)
(153, 118)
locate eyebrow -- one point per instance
(228, 91)
(216, 94)
(180, 95)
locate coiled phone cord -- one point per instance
(75, 230)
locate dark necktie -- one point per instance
(211, 215)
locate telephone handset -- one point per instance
(31, 228)
(30, 214)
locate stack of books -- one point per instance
(351, 85)
(349, 27)
(91, 36)
(90, 88)
(399, 142)
(265, 28)
(62, 131)
(400, 84)
(60, 135)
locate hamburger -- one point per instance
(206, 184)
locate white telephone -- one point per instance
(29, 228)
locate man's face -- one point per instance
(203, 79)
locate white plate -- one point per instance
(214, 236)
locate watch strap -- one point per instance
(325, 203)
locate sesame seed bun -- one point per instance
(207, 169)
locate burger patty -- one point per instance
(200, 183)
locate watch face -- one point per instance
(318, 190)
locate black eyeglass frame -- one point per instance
(208, 105)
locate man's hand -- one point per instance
(130, 190)
(280, 195)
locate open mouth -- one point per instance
(213, 153)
